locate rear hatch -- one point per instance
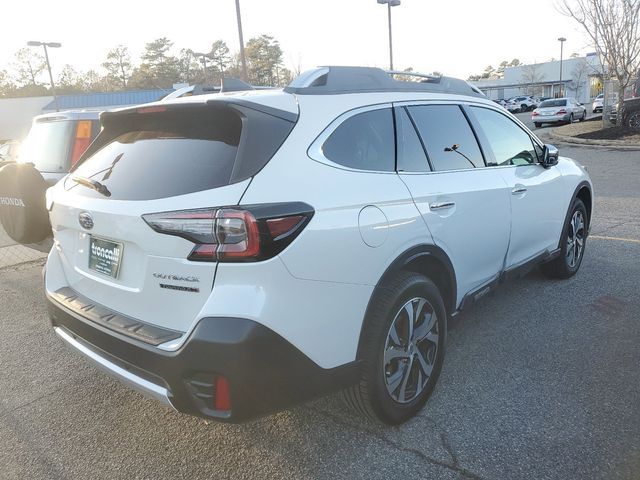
(146, 161)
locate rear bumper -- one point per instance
(551, 118)
(265, 372)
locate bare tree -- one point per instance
(579, 76)
(118, 65)
(531, 76)
(28, 65)
(614, 29)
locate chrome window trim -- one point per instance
(315, 151)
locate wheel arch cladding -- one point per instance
(428, 260)
(584, 194)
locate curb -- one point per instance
(603, 144)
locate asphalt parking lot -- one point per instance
(541, 380)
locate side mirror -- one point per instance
(549, 156)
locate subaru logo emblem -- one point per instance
(86, 220)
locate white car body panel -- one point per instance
(472, 231)
(536, 220)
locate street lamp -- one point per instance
(203, 57)
(561, 40)
(390, 3)
(243, 60)
(46, 56)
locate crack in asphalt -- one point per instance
(5, 413)
(454, 466)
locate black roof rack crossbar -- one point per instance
(338, 80)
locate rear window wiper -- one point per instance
(93, 184)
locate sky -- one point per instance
(456, 37)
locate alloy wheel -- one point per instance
(634, 121)
(575, 239)
(410, 350)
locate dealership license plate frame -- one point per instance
(105, 266)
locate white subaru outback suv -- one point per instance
(234, 254)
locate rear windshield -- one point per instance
(158, 152)
(164, 155)
(553, 103)
(47, 146)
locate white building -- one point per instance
(581, 79)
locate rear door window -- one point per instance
(364, 141)
(447, 136)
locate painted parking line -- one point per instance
(618, 239)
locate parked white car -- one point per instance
(597, 105)
(559, 110)
(230, 255)
(523, 103)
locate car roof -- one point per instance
(68, 115)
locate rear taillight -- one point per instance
(235, 234)
(561, 112)
(82, 140)
(535, 113)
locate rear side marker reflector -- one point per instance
(222, 399)
(235, 234)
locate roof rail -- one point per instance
(336, 80)
(426, 77)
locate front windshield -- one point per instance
(47, 146)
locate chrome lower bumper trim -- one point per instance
(143, 386)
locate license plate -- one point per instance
(547, 114)
(105, 256)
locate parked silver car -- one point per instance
(559, 110)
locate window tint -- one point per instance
(510, 144)
(553, 103)
(411, 156)
(447, 136)
(165, 154)
(364, 142)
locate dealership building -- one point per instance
(580, 78)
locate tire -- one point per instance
(584, 116)
(568, 263)
(633, 121)
(571, 118)
(393, 368)
(537, 124)
(524, 108)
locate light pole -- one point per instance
(390, 3)
(46, 56)
(203, 57)
(243, 60)
(561, 40)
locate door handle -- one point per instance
(518, 190)
(441, 205)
